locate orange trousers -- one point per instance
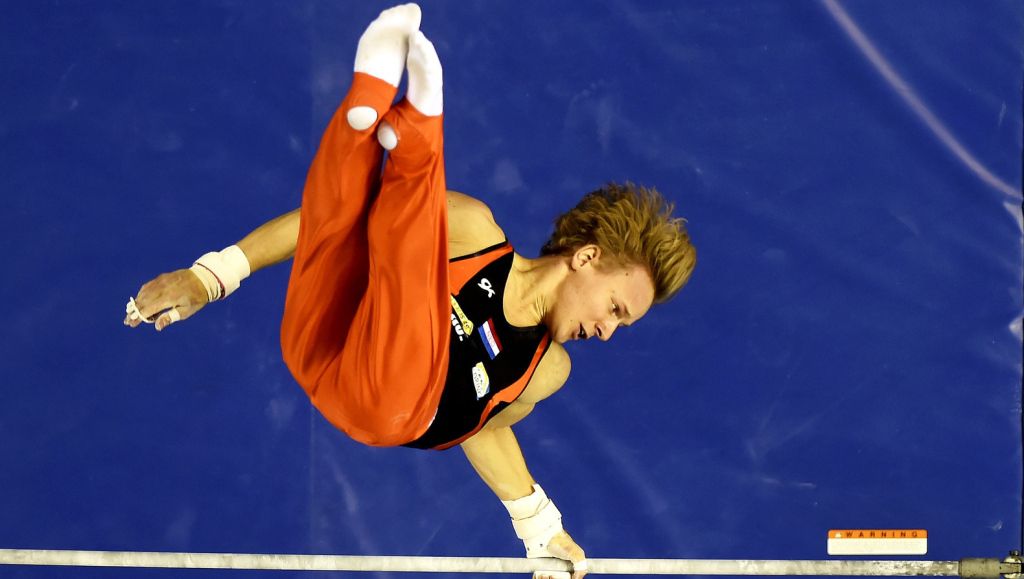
(367, 317)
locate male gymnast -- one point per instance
(409, 319)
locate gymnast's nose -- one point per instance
(605, 330)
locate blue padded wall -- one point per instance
(848, 353)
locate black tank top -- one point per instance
(490, 361)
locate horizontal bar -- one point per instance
(475, 564)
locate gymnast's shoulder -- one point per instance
(471, 224)
(551, 374)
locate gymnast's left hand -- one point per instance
(169, 298)
(563, 547)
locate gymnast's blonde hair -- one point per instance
(633, 225)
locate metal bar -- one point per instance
(474, 564)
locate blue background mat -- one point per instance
(848, 353)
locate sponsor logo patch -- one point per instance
(458, 328)
(481, 382)
(467, 325)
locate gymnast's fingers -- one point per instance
(564, 547)
(132, 316)
(579, 567)
(551, 575)
(169, 317)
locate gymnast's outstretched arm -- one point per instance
(274, 242)
(496, 456)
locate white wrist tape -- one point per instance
(221, 271)
(536, 520)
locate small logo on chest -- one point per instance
(481, 382)
(485, 284)
(490, 338)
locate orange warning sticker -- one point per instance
(877, 542)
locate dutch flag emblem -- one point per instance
(490, 339)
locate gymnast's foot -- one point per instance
(382, 54)
(425, 86)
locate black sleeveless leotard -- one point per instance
(490, 361)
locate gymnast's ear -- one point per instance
(587, 255)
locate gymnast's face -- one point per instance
(596, 298)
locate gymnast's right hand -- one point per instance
(562, 546)
(168, 298)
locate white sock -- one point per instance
(361, 118)
(386, 136)
(425, 76)
(383, 47)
